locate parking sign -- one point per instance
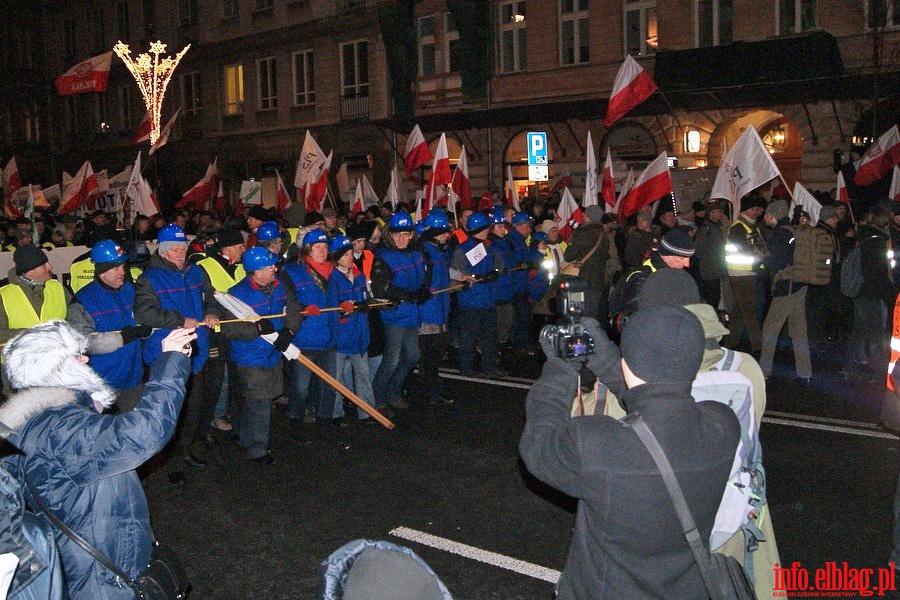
(537, 148)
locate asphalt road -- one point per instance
(252, 532)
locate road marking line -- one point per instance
(834, 428)
(503, 382)
(484, 556)
(802, 417)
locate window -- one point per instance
(513, 46)
(123, 28)
(187, 12)
(126, 106)
(883, 14)
(573, 32)
(713, 22)
(304, 78)
(32, 125)
(268, 88)
(640, 27)
(451, 45)
(229, 8)
(426, 46)
(260, 5)
(355, 69)
(98, 31)
(234, 89)
(69, 39)
(795, 16)
(191, 98)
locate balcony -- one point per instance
(354, 108)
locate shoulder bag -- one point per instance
(574, 268)
(163, 579)
(723, 576)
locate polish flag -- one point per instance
(608, 186)
(440, 176)
(90, 75)
(164, 134)
(842, 194)
(219, 202)
(203, 190)
(284, 200)
(881, 156)
(78, 189)
(310, 162)
(486, 202)
(512, 196)
(462, 186)
(317, 188)
(590, 176)
(11, 182)
(651, 185)
(626, 187)
(894, 193)
(632, 86)
(144, 203)
(142, 134)
(563, 181)
(417, 153)
(568, 215)
(393, 191)
(359, 203)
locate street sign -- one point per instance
(538, 173)
(537, 148)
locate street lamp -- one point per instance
(152, 75)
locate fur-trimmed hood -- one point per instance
(21, 406)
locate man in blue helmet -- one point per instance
(172, 293)
(102, 312)
(268, 235)
(402, 273)
(258, 360)
(477, 263)
(522, 256)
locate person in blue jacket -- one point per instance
(348, 284)
(103, 311)
(401, 272)
(258, 360)
(521, 256)
(476, 263)
(81, 462)
(503, 285)
(315, 337)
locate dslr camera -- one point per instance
(569, 338)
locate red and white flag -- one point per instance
(651, 185)
(219, 202)
(284, 200)
(563, 181)
(568, 215)
(164, 134)
(144, 203)
(486, 202)
(393, 191)
(78, 189)
(359, 202)
(626, 187)
(11, 182)
(142, 133)
(608, 185)
(632, 86)
(417, 153)
(462, 186)
(440, 176)
(807, 201)
(894, 193)
(90, 75)
(881, 156)
(842, 194)
(747, 166)
(310, 162)
(203, 190)
(591, 183)
(512, 195)
(317, 188)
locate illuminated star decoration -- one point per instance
(152, 74)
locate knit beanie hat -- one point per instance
(676, 242)
(669, 287)
(547, 225)
(594, 213)
(312, 218)
(663, 344)
(826, 212)
(100, 268)
(27, 258)
(166, 246)
(777, 209)
(229, 237)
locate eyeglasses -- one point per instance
(270, 268)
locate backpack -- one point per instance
(851, 273)
(813, 251)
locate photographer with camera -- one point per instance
(628, 541)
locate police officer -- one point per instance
(103, 311)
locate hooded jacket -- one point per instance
(82, 465)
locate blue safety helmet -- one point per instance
(268, 231)
(339, 244)
(476, 222)
(420, 228)
(520, 217)
(437, 220)
(497, 215)
(401, 221)
(539, 236)
(107, 251)
(315, 236)
(258, 258)
(438, 208)
(171, 233)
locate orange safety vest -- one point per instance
(895, 345)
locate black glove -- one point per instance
(423, 295)
(362, 306)
(411, 296)
(143, 331)
(265, 327)
(283, 340)
(129, 334)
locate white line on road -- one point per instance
(503, 382)
(834, 428)
(784, 415)
(484, 556)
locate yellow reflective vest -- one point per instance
(81, 273)
(19, 311)
(218, 276)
